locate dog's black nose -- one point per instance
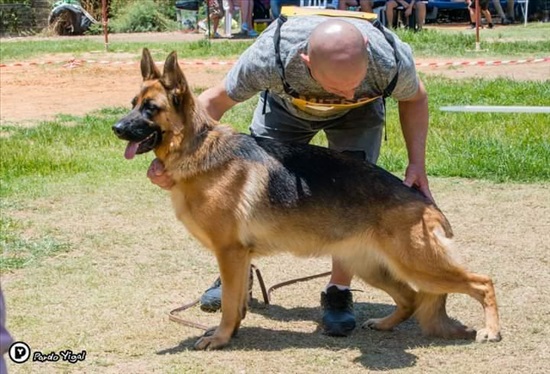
(118, 129)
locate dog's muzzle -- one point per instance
(142, 135)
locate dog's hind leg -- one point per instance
(419, 254)
(431, 312)
(234, 265)
(439, 275)
(482, 289)
(432, 316)
(403, 295)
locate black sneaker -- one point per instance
(505, 21)
(472, 25)
(338, 316)
(491, 26)
(211, 299)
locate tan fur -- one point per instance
(400, 248)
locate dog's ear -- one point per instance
(149, 70)
(172, 77)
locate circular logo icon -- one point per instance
(19, 352)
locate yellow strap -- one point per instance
(329, 109)
(290, 11)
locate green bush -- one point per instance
(142, 16)
(16, 17)
(166, 7)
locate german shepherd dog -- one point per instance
(242, 197)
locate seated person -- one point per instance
(408, 5)
(366, 5)
(216, 14)
(483, 9)
(510, 13)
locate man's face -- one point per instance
(337, 80)
(343, 85)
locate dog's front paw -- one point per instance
(487, 335)
(380, 324)
(210, 341)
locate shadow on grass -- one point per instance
(379, 350)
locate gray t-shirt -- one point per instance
(256, 69)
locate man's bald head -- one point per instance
(337, 55)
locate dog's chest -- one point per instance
(185, 214)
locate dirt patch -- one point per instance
(80, 84)
(131, 263)
(33, 93)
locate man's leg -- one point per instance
(337, 302)
(420, 14)
(510, 12)
(359, 134)
(390, 6)
(500, 12)
(488, 18)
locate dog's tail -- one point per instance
(445, 224)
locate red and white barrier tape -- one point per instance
(483, 63)
(75, 63)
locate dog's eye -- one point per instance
(150, 107)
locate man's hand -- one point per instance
(159, 176)
(415, 176)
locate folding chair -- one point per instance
(228, 18)
(524, 6)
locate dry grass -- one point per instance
(131, 263)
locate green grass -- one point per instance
(494, 146)
(497, 147)
(530, 41)
(19, 251)
(27, 49)
(32, 158)
(437, 43)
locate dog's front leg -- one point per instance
(234, 265)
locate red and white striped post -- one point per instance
(104, 21)
(478, 19)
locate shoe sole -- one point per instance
(338, 333)
(210, 308)
(343, 331)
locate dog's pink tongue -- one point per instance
(131, 150)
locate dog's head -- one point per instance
(155, 116)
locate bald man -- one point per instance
(325, 74)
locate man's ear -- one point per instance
(305, 59)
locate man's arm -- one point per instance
(414, 118)
(216, 101)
